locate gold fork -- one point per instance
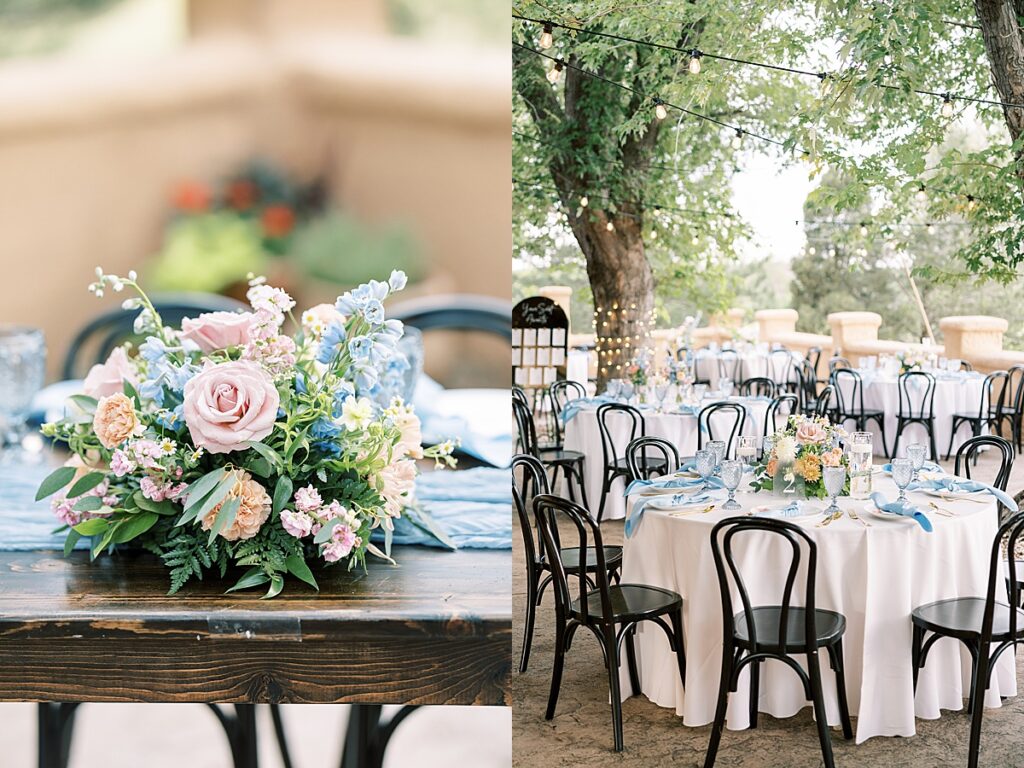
(940, 510)
(859, 519)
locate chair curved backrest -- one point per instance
(456, 312)
(758, 386)
(533, 476)
(807, 377)
(637, 450)
(114, 327)
(1015, 382)
(1004, 567)
(518, 393)
(993, 393)
(704, 423)
(851, 402)
(966, 366)
(801, 549)
(547, 509)
(729, 364)
(917, 395)
(814, 358)
(784, 405)
(559, 394)
(780, 365)
(526, 428)
(609, 450)
(838, 362)
(824, 402)
(971, 446)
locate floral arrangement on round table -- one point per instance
(799, 451)
(910, 361)
(229, 443)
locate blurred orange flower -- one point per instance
(191, 197)
(278, 220)
(241, 194)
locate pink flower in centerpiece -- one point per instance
(218, 330)
(230, 404)
(108, 378)
(811, 433)
(343, 539)
(410, 444)
(316, 319)
(253, 508)
(397, 481)
(157, 490)
(120, 464)
(115, 420)
(298, 524)
(308, 499)
(833, 458)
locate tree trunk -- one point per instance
(623, 287)
(1005, 48)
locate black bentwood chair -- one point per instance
(758, 633)
(569, 463)
(758, 386)
(969, 450)
(559, 395)
(1013, 408)
(978, 623)
(916, 406)
(704, 428)
(823, 405)
(538, 564)
(638, 463)
(850, 403)
(610, 612)
(991, 409)
(730, 366)
(782, 407)
(614, 464)
(836, 363)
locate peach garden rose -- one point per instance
(115, 420)
(108, 378)
(811, 433)
(218, 330)
(253, 508)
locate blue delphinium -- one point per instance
(330, 343)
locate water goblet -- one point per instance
(725, 387)
(834, 478)
(704, 460)
(732, 473)
(22, 370)
(916, 453)
(746, 449)
(717, 447)
(626, 390)
(699, 392)
(902, 471)
(612, 388)
(660, 392)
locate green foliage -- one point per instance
(187, 553)
(209, 253)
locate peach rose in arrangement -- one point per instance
(253, 508)
(811, 433)
(115, 420)
(833, 458)
(230, 404)
(410, 444)
(772, 468)
(218, 330)
(109, 377)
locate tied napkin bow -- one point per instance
(959, 485)
(671, 482)
(901, 508)
(790, 510)
(677, 500)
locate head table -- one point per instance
(874, 575)
(679, 428)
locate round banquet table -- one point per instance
(582, 434)
(875, 576)
(753, 364)
(954, 393)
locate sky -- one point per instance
(770, 197)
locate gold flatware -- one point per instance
(940, 510)
(858, 518)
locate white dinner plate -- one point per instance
(872, 510)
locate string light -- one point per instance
(812, 250)
(555, 73)
(921, 195)
(863, 229)
(547, 39)
(971, 203)
(610, 226)
(653, 235)
(694, 66)
(737, 140)
(947, 105)
(584, 201)
(659, 109)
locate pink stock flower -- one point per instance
(218, 330)
(120, 464)
(298, 524)
(230, 404)
(343, 539)
(308, 499)
(157, 490)
(109, 377)
(397, 481)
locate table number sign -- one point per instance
(540, 335)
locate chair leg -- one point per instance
(814, 673)
(978, 692)
(952, 438)
(915, 653)
(556, 669)
(930, 426)
(612, 658)
(755, 690)
(532, 579)
(975, 656)
(577, 470)
(720, 707)
(55, 722)
(634, 673)
(836, 654)
(677, 631)
(605, 487)
(896, 442)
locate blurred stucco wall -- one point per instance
(403, 130)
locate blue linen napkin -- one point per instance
(901, 508)
(671, 482)
(636, 513)
(960, 485)
(928, 466)
(484, 433)
(575, 406)
(790, 510)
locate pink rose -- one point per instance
(218, 330)
(811, 433)
(230, 404)
(108, 378)
(410, 442)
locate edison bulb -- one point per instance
(546, 38)
(737, 140)
(947, 106)
(812, 250)
(584, 201)
(695, 240)
(863, 230)
(555, 73)
(660, 112)
(921, 195)
(610, 226)
(653, 235)
(695, 63)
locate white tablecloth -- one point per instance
(875, 576)
(582, 434)
(958, 394)
(752, 364)
(577, 367)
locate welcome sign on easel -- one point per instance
(540, 336)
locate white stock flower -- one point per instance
(357, 413)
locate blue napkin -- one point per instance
(959, 485)
(575, 406)
(901, 508)
(636, 513)
(671, 482)
(928, 466)
(790, 510)
(436, 408)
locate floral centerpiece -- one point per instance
(228, 443)
(910, 361)
(799, 451)
(638, 371)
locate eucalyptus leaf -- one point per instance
(324, 534)
(55, 481)
(282, 493)
(251, 578)
(85, 483)
(225, 516)
(267, 453)
(297, 567)
(85, 403)
(276, 585)
(136, 525)
(88, 504)
(73, 538)
(92, 527)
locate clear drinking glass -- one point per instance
(22, 372)
(705, 463)
(699, 391)
(725, 387)
(411, 345)
(717, 447)
(860, 452)
(767, 444)
(613, 388)
(834, 477)
(902, 471)
(916, 453)
(746, 449)
(660, 393)
(732, 473)
(626, 389)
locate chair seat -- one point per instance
(962, 617)
(645, 462)
(829, 625)
(866, 413)
(559, 456)
(970, 416)
(632, 601)
(571, 558)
